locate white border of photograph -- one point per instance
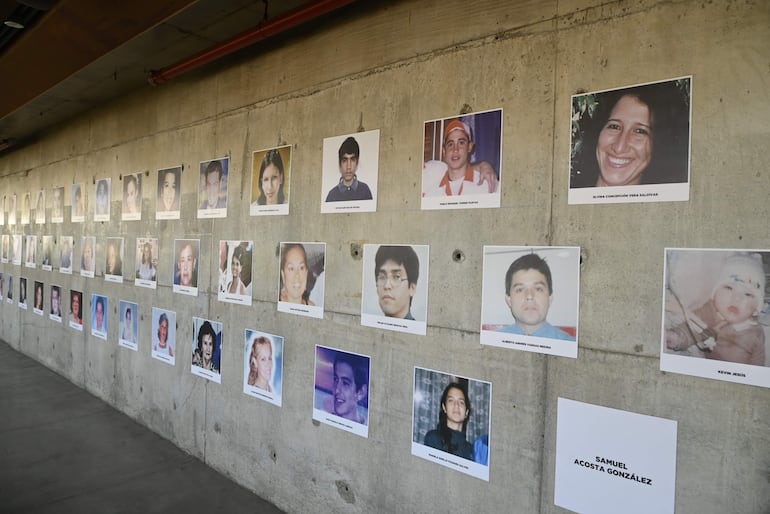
(40, 213)
(17, 250)
(73, 324)
(23, 298)
(104, 216)
(446, 459)
(179, 288)
(170, 336)
(565, 276)
(256, 162)
(60, 218)
(71, 241)
(48, 241)
(224, 182)
(155, 251)
(693, 264)
(25, 208)
(108, 277)
(5, 239)
(122, 341)
(88, 273)
(81, 186)
(228, 246)
(610, 460)
(300, 309)
(2, 209)
(276, 381)
(31, 243)
(37, 311)
(170, 214)
(101, 334)
(197, 370)
(371, 313)
(51, 315)
(433, 170)
(129, 216)
(660, 192)
(11, 218)
(369, 156)
(333, 420)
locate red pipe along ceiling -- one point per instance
(260, 33)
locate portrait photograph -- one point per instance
(87, 256)
(341, 390)
(169, 195)
(716, 316)
(78, 203)
(530, 298)
(270, 179)
(631, 144)
(185, 267)
(263, 366)
(350, 172)
(30, 258)
(2, 209)
(451, 421)
(9, 290)
(462, 160)
(164, 335)
(128, 326)
(55, 312)
(23, 293)
(5, 251)
(57, 205)
(38, 300)
(234, 271)
(102, 199)
(394, 292)
(11, 219)
(66, 249)
(113, 264)
(76, 310)
(132, 197)
(146, 262)
(24, 211)
(46, 260)
(301, 279)
(2, 286)
(40, 207)
(212, 188)
(16, 249)
(99, 315)
(207, 349)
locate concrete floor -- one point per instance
(63, 450)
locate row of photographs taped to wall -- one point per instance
(716, 317)
(612, 160)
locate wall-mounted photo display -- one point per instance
(87, 256)
(341, 390)
(56, 300)
(132, 197)
(9, 290)
(451, 421)
(263, 366)
(2, 286)
(16, 251)
(113, 265)
(169, 196)
(40, 207)
(2, 209)
(25, 209)
(234, 270)
(212, 188)
(5, 252)
(462, 160)
(530, 298)
(102, 199)
(146, 262)
(23, 293)
(57, 205)
(301, 279)
(395, 287)
(631, 144)
(350, 172)
(610, 461)
(128, 327)
(76, 310)
(716, 316)
(66, 249)
(12, 209)
(270, 179)
(99, 315)
(38, 302)
(30, 258)
(78, 203)
(185, 279)
(207, 349)
(164, 335)
(46, 261)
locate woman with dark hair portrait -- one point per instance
(236, 266)
(39, 296)
(449, 435)
(271, 176)
(631, 136)
(168, 190)
(296, 279)
(203, 356)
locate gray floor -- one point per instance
(63, 450)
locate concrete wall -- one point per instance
(392, 67)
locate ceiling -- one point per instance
(74, 55)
